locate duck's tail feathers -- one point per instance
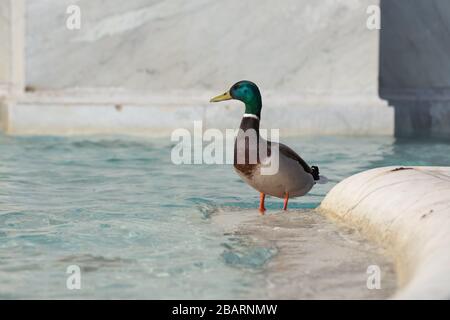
(322, 180)
(317, 177)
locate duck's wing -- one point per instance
(288, 152)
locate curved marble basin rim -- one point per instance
(407, 210)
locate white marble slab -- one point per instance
(5, 48)
(55, 113)
(292, 46)
(12, 33)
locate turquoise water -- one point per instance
(141, 227)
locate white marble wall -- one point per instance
(149, 66)
(5, 36)
(11, 46)
(291, 46)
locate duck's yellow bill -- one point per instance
(222, 97)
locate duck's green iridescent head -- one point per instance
(245, 91)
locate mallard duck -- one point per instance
(294, 177)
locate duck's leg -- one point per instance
(286, 200)
(262, 196)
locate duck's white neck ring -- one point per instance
(250, 115)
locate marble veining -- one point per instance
(299, 46)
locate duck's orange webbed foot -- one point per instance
(262, 209)
(286, 200)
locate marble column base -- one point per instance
(422, 119)
(420, 113)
